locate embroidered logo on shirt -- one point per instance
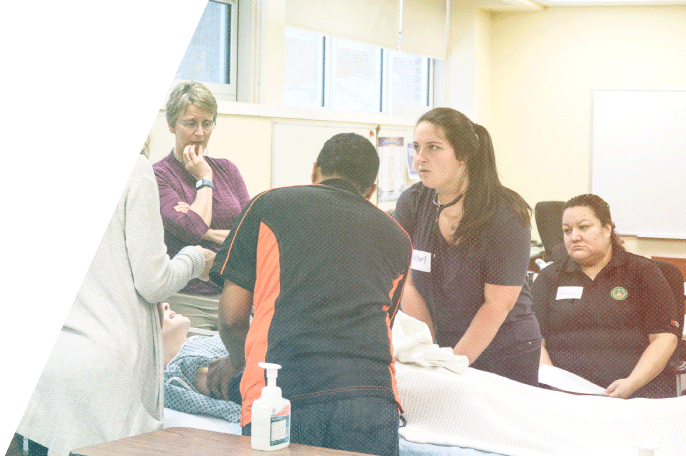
(619, 293)
(674, 323)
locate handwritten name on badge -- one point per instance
(569, 293)
(421, 261)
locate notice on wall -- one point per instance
(411, 172)
(392, 155)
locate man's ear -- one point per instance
(370, 191)
(172, 129)
(316, 173)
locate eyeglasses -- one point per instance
(192, 125)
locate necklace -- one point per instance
(440, 207)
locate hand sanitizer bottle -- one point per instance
(271, 415)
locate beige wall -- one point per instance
(245, 140)
(543, 67)
(526, 76)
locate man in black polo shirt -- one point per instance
(323, 270)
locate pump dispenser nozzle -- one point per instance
(271, 392)
(272, 372)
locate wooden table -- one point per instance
(182, 441)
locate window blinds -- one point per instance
(376, 22)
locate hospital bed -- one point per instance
(481, 414)
(454, 410)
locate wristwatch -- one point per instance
(204, 183)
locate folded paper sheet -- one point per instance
(567, 381)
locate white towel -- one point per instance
(412, 344)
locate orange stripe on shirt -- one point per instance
(391, 367)
(238, 227)
(392, 292)
(267, 289)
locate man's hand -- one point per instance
(219, 374)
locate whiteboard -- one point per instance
(638, 159)
(295, 147)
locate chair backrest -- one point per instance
(675, 279)
(548, 215)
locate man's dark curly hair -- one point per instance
(352, 157)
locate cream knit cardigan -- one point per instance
(103, 379)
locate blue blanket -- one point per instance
(180, 392)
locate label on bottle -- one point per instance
(280, 426)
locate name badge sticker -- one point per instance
(421, 261)
(569, 293)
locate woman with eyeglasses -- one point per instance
(471, 239)
(200, 196)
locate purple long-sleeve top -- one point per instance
(181, 229)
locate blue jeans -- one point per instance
(367, 425)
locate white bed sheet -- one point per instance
(492, 413)
(174, 418)
(474, 409)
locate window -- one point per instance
(355, 76)
(346, 75)
(211, 55)
(409, 82)
(303, 73)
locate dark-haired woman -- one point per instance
(606, 314)
(471, 239)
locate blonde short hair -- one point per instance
(186, 94)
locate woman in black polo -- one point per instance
(471, 240)
(606, 314)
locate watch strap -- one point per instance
(204, 183)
